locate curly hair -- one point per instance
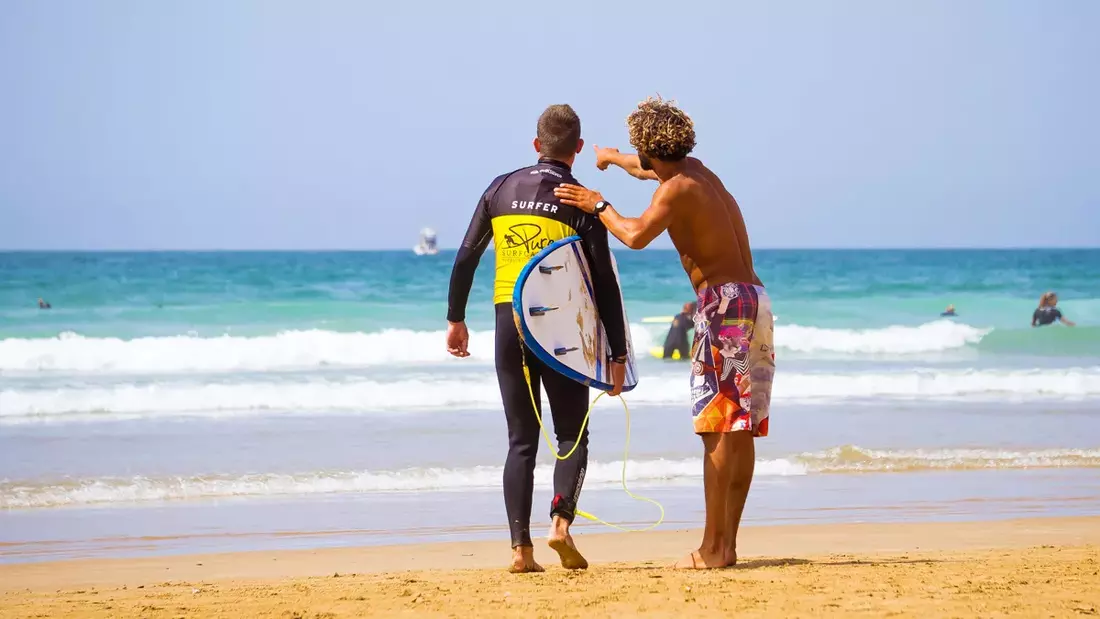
(660, 130)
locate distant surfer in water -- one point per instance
(1048, 312)
(519, 213)
(950, 311)
(732, 359)
(677, 338)
(43, 304)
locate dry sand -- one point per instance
(1047, 567)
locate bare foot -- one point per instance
(699, 560)
(523, 561)
(562, 543)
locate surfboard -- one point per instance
(659, 353)
(556, 313)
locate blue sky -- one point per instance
(259, 124)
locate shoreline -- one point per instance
(1039, 567)
(660, 547)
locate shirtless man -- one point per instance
(732, 359)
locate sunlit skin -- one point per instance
(705, 224)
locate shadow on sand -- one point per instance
(754, 564)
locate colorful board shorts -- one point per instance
(733, 360)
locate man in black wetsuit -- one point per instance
(520, 214)
(677, 338)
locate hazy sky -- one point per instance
(252, 124)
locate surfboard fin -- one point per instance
(548, 269)
(561, 351)
(539, 310)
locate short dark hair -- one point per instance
(660, 130)
(559, 131)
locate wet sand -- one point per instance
(1040, 567)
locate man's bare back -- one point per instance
(703, 219)
(707, 228)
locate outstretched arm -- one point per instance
(629, 163)
(634, 232)
(1065, 321)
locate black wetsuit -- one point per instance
(1045, 315)
(521, 215)
(677, 338)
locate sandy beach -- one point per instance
(285, 331)
(1044, 567)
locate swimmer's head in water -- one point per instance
(1048, 298)
(559, 133)
(660, 130)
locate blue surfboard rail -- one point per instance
(548, 357)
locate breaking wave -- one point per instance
(845, 459)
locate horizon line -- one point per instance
(453, 249)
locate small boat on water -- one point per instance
(427, 245)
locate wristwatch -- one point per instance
(601, 206)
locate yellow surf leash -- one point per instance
(584, 424)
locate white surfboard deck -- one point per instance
(558, 319)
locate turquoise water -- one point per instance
(166, 388)
(141, 294)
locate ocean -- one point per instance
(186, 402)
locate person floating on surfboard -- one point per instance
(733, 362)
(519, 213)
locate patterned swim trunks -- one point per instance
(733, 360)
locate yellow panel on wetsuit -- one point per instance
(517, 238)
(521, 215)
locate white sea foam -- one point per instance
(855, 459)
(287, 350)
(480, 391)
(846, 459)
(937, 336)
(71, 352)
(140, 489)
